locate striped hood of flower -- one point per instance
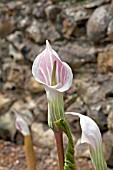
(92, 136)
(21, 125)
(56, 76)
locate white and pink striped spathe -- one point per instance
(43, 66)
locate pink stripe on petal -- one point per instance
(45, 62)
(42, 76)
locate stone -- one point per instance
(110, 30)
(41, 112)
(110, 119)
(96, 3)
(35, 32)
(93, 93)
(15, 74)
(5, 103)
(24, 23)
(39, 115)
(42, 138)
(4, 51)
(108, 148)
(38, 11)
(7, 126)
(81, 150)
(76, 105)
(31, 50)
(73, 17)
(69, 27)
(42, 103)
(3, 28)
(51, 33)
(12, 5)
(33, 86)
(17, 40)
(105, 61)
(97, 114)
(77, 55)
(74, 124)
(52, 12)
(18, 105)
(81, 15)
(15, 54)
(98, 23)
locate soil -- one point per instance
(12, 157)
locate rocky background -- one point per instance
(82, 34)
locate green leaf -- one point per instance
(69, 162)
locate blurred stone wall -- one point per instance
(82, 34)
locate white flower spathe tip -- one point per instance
(48, 46)
(92, 136)
(21, 125)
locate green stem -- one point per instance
(60, 149)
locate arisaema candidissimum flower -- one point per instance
(56, 76)
(21, 125)
(92, 136)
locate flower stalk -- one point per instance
(69, 160)
(29, 151)
(60, 149)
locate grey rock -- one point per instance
(5, 104)
(41, 111)
(93, 93)
(18, 105)
(52, 11)
(40, 136)
(51, 32)
(33, 86)
(108, 147)
(110, 119)
(35, 32)
(38, 10)
(26, 8)
(77, 55)
(77, 13)
(13, 52)
(96, 3)
(105, 60)
(110, 31)
(73, 17)
(12, 5)
(31, 50)
(42, 103)
(110, 28)
(17, 40)
(81, 15)
(97, 114)
(82, 150)
(69, 27)
(15, 74)
(24, 23)
(7, 126)
(98, 23)
(10, 24)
